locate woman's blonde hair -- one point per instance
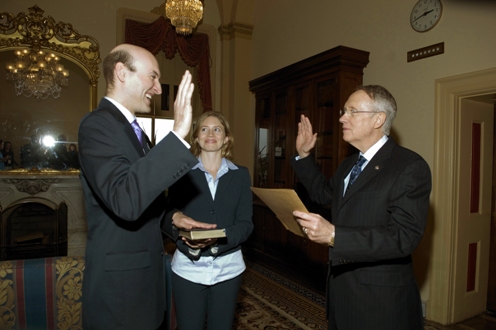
(226, 148)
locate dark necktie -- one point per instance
(356, 170)
(137, 130)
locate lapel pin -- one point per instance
(377, 167)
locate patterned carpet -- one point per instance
(484, 321)
(268, 301)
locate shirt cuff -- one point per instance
(194, 252)
(214, 249)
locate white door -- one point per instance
(473, 209)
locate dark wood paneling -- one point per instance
(318, 88)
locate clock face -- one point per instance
(425, 15)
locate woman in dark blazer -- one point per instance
(207, 273)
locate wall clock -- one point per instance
(425, 15)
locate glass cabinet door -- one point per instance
(280, 172)
(263, 144)
(325, 117)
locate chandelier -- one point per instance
(37, 73)
(184, 14)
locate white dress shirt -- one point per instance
(368, 156)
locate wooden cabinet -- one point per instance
(317, 87)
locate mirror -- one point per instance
(24, 119)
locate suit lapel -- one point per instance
(222, 187)
(126, 126)
(146, 144)
(202, 184)
(347, 168)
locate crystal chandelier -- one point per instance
(184, 14)
(37, 73)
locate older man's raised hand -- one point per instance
(305, 140)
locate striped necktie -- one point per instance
(137, 130)
(356, 170)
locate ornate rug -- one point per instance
(268, 301)
(484, 321)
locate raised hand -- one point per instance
(183, 112)
(306, 139)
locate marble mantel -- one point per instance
(50, 188)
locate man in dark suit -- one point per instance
(379, 212)
(124, 185)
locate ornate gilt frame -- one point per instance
(42, 33)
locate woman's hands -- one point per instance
(199, 243)
(182, 221)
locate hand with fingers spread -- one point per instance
(306, 139)
(124, 181)
(183, 111)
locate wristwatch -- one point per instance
(331, 241)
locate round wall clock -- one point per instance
(425, 15)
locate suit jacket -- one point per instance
(124, 286)
(232, 208)
(379, 223)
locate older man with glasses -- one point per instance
(379, 201)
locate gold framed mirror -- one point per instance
(23, 117)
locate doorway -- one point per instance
(473, 208)
(450, 260)
(491, 290)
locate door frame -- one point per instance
(448, 95)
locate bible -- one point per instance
(202, 233)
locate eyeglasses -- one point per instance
(352, 112)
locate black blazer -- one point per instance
(232, 208)
(124, 285)
(379, 223)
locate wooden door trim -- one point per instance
(448, 95)
(491, 289)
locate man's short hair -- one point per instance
(383, 101)
(111, 60)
